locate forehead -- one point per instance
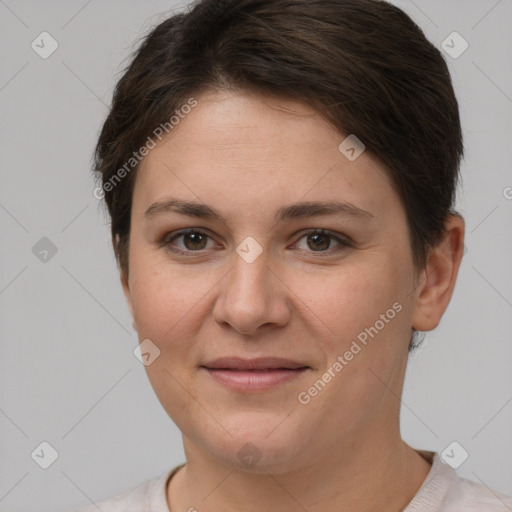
(240, 147)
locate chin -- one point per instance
(258, 447)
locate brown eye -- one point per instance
(193, 240)
(321, 241)
(318, 241)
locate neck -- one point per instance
(351, 478)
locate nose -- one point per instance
(252, 296)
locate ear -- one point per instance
(437, 280)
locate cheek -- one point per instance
(161, 293)
(171, 304)
(166, 301)
(364, 322)
(347, 301)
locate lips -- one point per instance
(254, 375)
(257, 364)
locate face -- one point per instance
(266, 276)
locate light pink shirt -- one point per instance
(442, 491)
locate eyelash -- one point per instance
(166, 241)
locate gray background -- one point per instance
(68, 375)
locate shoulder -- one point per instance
(149, 496)
(469, 496)
(445, 491)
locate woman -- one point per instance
(281, 177)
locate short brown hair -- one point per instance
(364, 65)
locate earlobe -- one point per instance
(436, 286)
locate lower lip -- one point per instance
(241, 380)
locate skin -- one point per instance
(247, 156)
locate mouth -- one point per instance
(259, 374)
(260, 363)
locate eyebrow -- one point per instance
(289, 212)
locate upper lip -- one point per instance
(260, 363)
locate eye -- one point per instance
(194, 240)
(320, 240)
